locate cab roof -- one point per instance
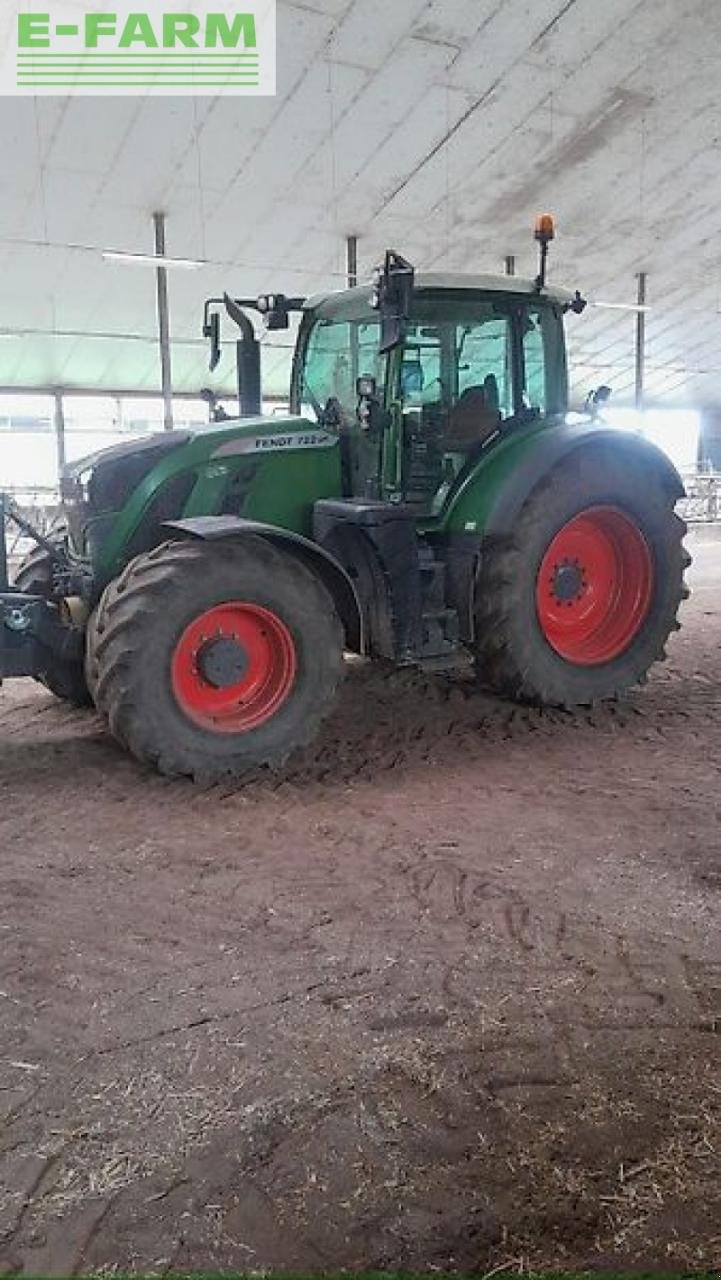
(434, 280)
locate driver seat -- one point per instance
(475, 416)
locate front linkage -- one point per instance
(34, 636)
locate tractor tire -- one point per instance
(578, 604)
(208, 659)
(65, 679)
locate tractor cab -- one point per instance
(477, 356)
(415, 375)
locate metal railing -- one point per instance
(702, 504)
(41, 507)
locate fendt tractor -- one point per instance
(425, 502)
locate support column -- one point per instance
(351, 257)
(4, 576)
(640, 341)
(351, 260)
(59, 426)
(163, 323)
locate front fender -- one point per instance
(331, 573)
(491, 497)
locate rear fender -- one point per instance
(490, 500)
(331, 573)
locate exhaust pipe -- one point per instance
(247, 362)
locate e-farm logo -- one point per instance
(195, 47)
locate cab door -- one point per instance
(459, 385)
(333, 353)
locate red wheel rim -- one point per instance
(233, 667)
(594, 586)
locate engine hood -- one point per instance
(158, 444)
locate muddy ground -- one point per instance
(448, 995)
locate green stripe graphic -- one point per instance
(138, 66)
(189, 68)
(137, 70)
(138, 57)
(158, 80)
(146, 79)
(131, 84)
(151, 75)
(159, 83)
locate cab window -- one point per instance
(534, 363)
(338, 352)
(484, 362)
(545, 374)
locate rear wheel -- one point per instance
(65, 679)
(579, 603)
(207, 659)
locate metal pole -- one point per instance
(59, 424)
(351, 257)
(640, 341)
(510, 265)
(163, 324)
(4, 583)
(351, 260)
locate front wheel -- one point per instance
(579, 603)
(210, 658)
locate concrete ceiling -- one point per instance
(438, 126)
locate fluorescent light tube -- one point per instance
(151, 259)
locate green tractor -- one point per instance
(425, 502)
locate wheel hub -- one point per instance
(223, 661)
(568, 581)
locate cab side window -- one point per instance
(327, 372)
(484, 361)
(337, 353)
(535, 364)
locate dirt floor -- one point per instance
(447, 996)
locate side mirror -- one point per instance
(211, 330)
(391, 297)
